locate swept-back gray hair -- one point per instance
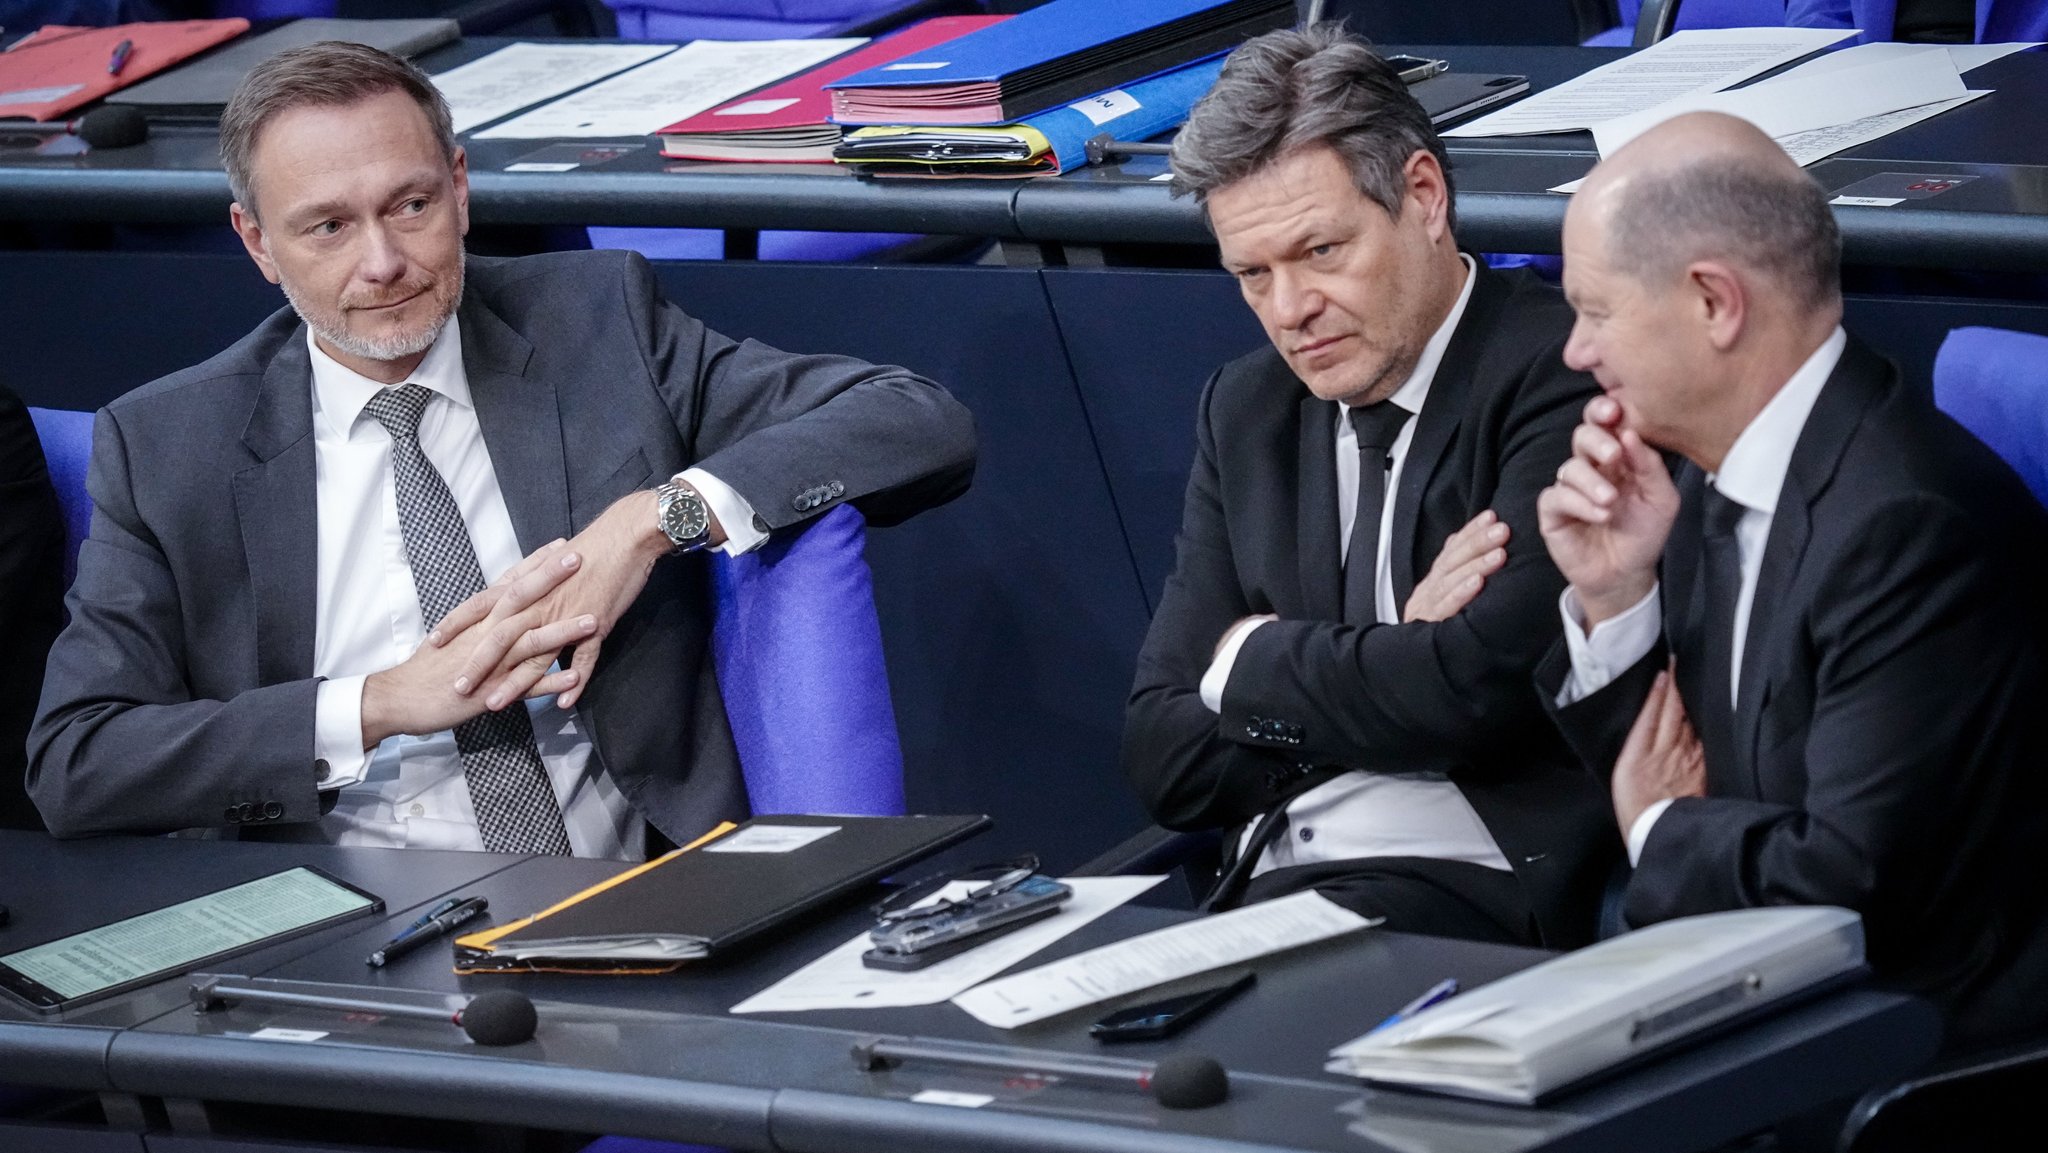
(331, 73)
(1773, 220)
(1300, 87)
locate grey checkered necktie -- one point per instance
(508, 784)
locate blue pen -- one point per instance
(1441, 991)
(119, 59)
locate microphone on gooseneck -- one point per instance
(499, 1017)
(110, 126)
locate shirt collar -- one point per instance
(1753, 472)
(340, 393)
(1415, 390)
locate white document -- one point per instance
(522, 75)
(1835, 97)
(695, 78)
(1820, 143)
(838, 980)
(1964, 56)
(1157, 957)
(1686, 63)
(758, 838)
(1558, 1022)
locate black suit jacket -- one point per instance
(182, 693)
(31, 596)
(1259, 535)
(1889, 734)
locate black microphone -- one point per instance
(1179, 1081)
(110, 126)
(499, 1017)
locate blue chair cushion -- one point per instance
(798, 649)
(67, 449)
(1995, 383)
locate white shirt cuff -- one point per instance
(1639, 833)
(734, 514)
(1219, 669)
(1612, 648)
(338, 731)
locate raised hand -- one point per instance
(1606, 518)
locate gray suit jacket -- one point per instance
(182, 692)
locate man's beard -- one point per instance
(328, 326)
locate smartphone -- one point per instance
(130, 953)
(918, 942)
(1164, 1018)
(1414, 68)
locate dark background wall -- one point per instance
(1013, 616)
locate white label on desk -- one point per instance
(1868, 201)
(771, 838)
(1107, 106)
(916, 66)
(543, 166)
(1162, 176)
(299, 1035)
(948, 1097)
(1157, 957)
(756, 107)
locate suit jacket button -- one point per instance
(272, 810)
(233, 816)
(835, 489)
(320, 768)
(759, 524)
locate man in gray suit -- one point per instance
(281, 621)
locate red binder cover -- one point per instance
(61, 69)
(789, 121)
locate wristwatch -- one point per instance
(683, 516)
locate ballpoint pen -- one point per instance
(434, 928)
(1440, 991)
(430, 914)
(119, 59)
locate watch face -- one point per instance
(684, 517)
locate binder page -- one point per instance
(1835, 96)
(695, 78)
(1158, 957)
(522, 75)
(1690, 62)
(838, 980)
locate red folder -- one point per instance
(790, 121)
(62, 68)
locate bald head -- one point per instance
(1707, 186)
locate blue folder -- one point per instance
(1046, 144)
(1048, 57)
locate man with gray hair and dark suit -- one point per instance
(282, 621)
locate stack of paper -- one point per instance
(1526, 1036)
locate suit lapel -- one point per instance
(522, 425)
(1315, 523)
(277, 509)
(1438, 422)
(1836, 413)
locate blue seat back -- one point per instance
(741, 19)
(67, 446)
(798, 649)
(1995, 383)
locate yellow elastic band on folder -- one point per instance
(482, 941)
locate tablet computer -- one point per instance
(130, 953)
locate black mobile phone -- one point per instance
(1165, 1017)
(178, 938)
(1416, 68)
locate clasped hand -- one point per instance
(1661, 758)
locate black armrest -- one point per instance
(1966, 1105)
(572, 17)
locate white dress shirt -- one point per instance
(410, 791)
(1752, 475)
(1362, 813)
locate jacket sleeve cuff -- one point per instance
(1611, 648)
(1639, 833)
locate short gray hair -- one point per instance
(1297, 88)
(332, 74)
(1771, 220)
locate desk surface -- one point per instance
(1999, 220)
(660, 1057)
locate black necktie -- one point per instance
(1723, 586)
(508, 782)
(1378, 426)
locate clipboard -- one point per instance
(59, 69)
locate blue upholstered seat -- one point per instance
(1995, 383)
